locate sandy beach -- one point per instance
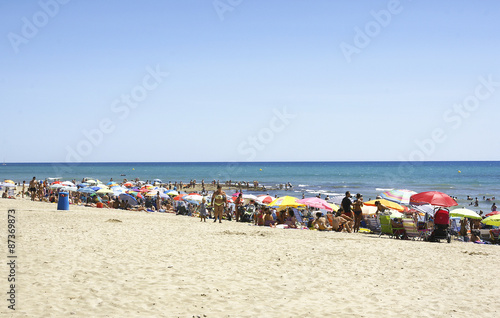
(89, 262)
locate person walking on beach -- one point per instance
(219, 203)
(358, 212)
(203, 210)
(347, 204)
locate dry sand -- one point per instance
(90, 262)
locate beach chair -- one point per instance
(373, 224)
(386, 227)
(411, 229)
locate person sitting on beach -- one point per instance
(268, 218)
(338, 222)
(290, 219)
(475, 236)
(320, 223)
(349, 222)
(5, 195)
(258, 217)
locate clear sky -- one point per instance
(241, 80)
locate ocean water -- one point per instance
(477, 179)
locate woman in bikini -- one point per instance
(358, 212)
(218, 203)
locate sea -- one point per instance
(455, 178)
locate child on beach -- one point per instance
(202, 209)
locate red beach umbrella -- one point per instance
(493, 213)
(434, 198)
(179, 197)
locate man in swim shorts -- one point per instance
(347, 204)
(32, 188)
(219, 203)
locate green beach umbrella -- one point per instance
(492, 220)
(465, 213)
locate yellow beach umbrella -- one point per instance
(334, 207)
(286, 201)
(9, 181)
(387, 203)
(492, 220)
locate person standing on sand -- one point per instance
(22, 193)
(238, 207)
(493, 207)
(358, 212)
(32, 188)
(219, 203)
(347, 204)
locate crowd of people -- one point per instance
(348, 218)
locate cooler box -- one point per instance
(63, 203)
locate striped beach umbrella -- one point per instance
(401, 196)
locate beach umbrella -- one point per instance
(465, 213)
(104, 191)
(56, 186)
(179, 197)
(286, 201)
(396, 214)
(86, 190)
(264, 199)
(91, 181)
(68, 184)
(193, 197)
(173, 192)
(8, 185)
(401, 196)
(386, 203)
(9, 181)
(128, 184)
(435, 198)
(493, 220)
(492, 213)
(369, 209)
(73, 189)
(83, 185)
(128, 198)
(316, 203)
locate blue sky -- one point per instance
(234, 80)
